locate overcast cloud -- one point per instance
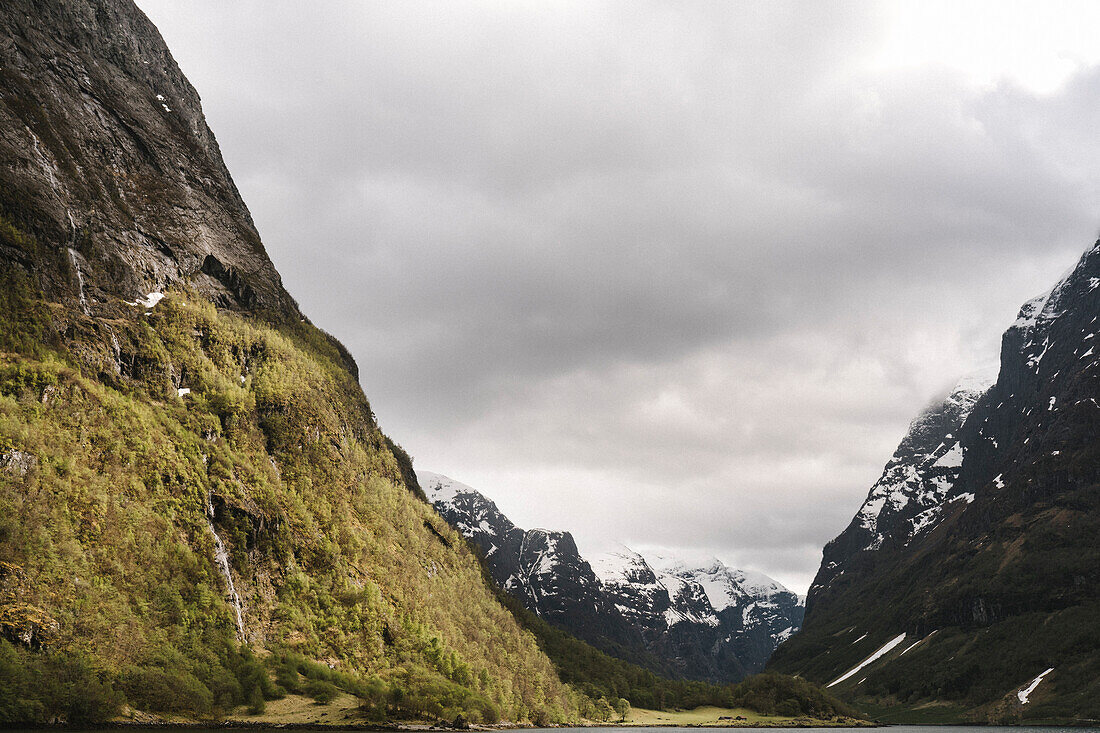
(672, 275)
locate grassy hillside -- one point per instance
(109, 586)
(938, 681)
(965, 669)
(714, 717)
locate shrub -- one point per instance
(321, 691)
(167, 691)
(39, 688)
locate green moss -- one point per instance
(328, 545)
(25, 325)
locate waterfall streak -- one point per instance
(222, 558)
(79, 281)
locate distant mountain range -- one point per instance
(969, 580)
(699, 620)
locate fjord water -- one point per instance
(659, 729)
(893, 729)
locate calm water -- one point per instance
(671, 729)
(893, 729)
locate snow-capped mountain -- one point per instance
(979, 541)
(701, 620)
(758, 612)
(909, 497)
(543, 569)
(633, 586)
(721, 622)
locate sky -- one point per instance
(673, 275)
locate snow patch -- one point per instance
(785, 634)
(1023, 694)
(149, 301)
(882, 651)
(619, 566)
(952, 458)
(440, 488)
(925, 520)
(915, 643)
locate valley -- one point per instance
(702, 620)
(201, 519)
(204, 524)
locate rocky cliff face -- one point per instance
(109, 164)
(702, 621)
(987, 559)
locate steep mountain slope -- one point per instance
(908, 499)
(994, 571)
(701, 621)
(185, 462)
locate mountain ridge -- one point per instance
(1000, 586)
(710, 622)
(914, 483)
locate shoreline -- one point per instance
(413, 727)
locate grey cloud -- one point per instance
(589, 252)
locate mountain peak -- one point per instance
(438, 487)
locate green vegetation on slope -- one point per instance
(969, 670)
(110, 594)
(952, 674)
(778, 694)
(108, 555)
(599, 675)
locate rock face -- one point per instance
(109, 163)
(982, 530)
(696, 620)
